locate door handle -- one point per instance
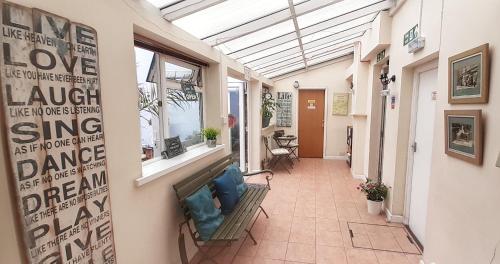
(414, 146)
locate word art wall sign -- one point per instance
(53, 120)
(284, 109)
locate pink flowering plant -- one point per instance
(375, 191)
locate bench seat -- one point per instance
(235, 223)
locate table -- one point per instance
(285, 139)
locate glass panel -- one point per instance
(330, 11)
(270, 51)
(226, 15)
(260, 36)
(149, 111)
(178, 73)
(162, 3)
(285, 70)
(185, 118)
(234, 119)
(328, 56)
(337, 29)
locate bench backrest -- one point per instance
(193, 183)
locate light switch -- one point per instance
(498, 160)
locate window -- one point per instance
(170, 101)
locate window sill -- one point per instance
(155, 170)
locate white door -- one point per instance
(422, 148)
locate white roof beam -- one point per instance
(187, 7)
(297, 29)
(265, 21)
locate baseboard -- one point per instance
(393, 218)
(358, 176)
(334, 157)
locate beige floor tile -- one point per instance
(299, 234)
(330, 255)
(413, 259)
(267, 261)
(361, 256)
(384, 241)
(249, 249)
(277, 233)
(272, 250)
(243, 260)
(385, 257)
(329, 238)
(327, 224)
(299, 252)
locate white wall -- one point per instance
(463, 215)
(463, 211)
(331, 77)
(145, 219)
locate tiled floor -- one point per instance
(309, 211)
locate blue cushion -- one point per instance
(207, 218)
(235, 172)
(225, 188)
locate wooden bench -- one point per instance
(235, 225)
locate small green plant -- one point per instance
(375, 191)
(268, 106)
(210, 133)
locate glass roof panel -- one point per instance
(226, 15)
(329, 56)
(285, 70)
(331, 11)
(268, 52)
(337, 29)
(162, 3)
(259, 36)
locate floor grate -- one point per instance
(382, 237)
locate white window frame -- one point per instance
(163, 113)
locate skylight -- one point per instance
(261, 33)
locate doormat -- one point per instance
(382, 237)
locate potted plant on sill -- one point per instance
(268, 106)
(376, 192)
(211, 136)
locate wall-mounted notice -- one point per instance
(52, 111)
(284, 109)
(340, 103)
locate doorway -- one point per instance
(311, 123)
(420, 151)
(237, 121)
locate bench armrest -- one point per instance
(268, 177)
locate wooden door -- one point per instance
(311, 122)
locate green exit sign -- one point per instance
(410, 35)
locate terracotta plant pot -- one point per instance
(211, 143)
(374, 207)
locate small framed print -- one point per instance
(464, 135)
(173, 147)
(468, 76)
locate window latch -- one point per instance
(414, 146)
(160, 103)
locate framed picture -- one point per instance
(464, 135)
(173, 147)
(468, 76)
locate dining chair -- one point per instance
(278, 155)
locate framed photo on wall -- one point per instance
(464, 135)
(468, 76)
